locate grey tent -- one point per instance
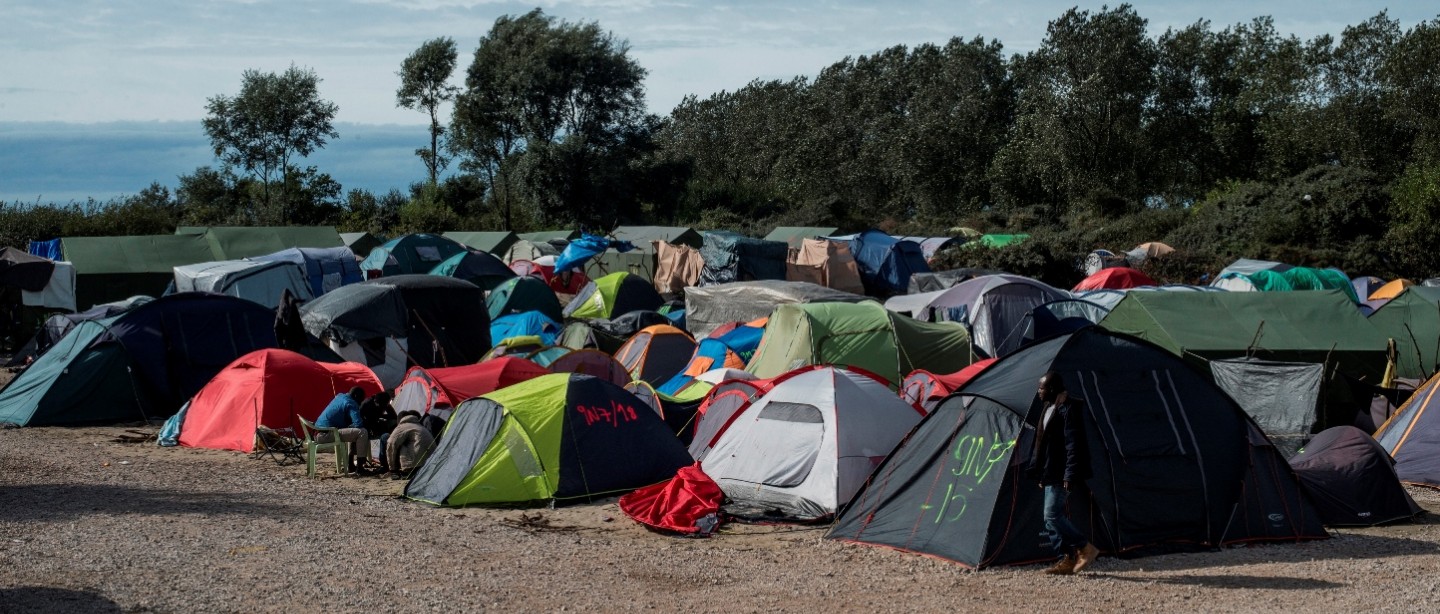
(1282, 397)
(708, 307)
(734, 257)
(262, 282)
(941, 280)
(1352, 480)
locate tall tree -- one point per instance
(273, 119)
(424, 86)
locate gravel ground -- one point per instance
(90, 524)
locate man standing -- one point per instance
(1059, 461)
(344, 413)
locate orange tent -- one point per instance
(266, 387)
(1390, 290)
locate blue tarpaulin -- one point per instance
(46, 249)
(581, 250)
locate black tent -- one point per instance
(21, 270)
(1351, 479)
(444, 320)
(1173, 459)
(734, 257)
(480, 268)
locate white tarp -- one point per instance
(58, 294)
(260, 282)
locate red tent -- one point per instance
(1115, 278)
(268, 387)
(424, 389)
(924, 389)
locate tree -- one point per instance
(273, 119)
(424, 77)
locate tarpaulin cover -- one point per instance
(794, 236)
(326, 268)
(46, 249)
(708, 307)
(1280, 396)
(58, 293)
(734, 257)
(825, 263)
(586, 247)
(886, 262)
(24, 271)
(677, 505)
(676, 267)
(1351, 480)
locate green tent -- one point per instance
(109, 269)
(360, 243)
(1306, 278)
(1315, 327)
(863, 335)
(522, 294)
(236, 242)
(613, 295)
(560, 437)
(495, 242)
(413, 254)
(795, 235)
(1413, 321)
(75, 384)
(550, 235)
(995, 241)
(638, 262)
(641, 236)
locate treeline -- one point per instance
(1221, 141)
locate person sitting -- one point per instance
(379, 417)
(344, 413)
(407, 445)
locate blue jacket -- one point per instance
(342, 413)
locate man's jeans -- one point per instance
(1064, 537)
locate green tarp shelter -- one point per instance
(996, 240)
(236, 242)
(795, 235)
(550, 235)
(413, 254)
(1413, 321)
(641, 236)
(494, 242)
(360, 242)
(109, 269)
(1282, 326)
(863, 335)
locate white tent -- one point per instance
(805, 447)
(260, 282)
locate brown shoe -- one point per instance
(1085, 557)
(1065, 567)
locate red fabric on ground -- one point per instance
(675, 505)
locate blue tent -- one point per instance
(739, 344)
(326, 268)
(885, 262)
(529, 323)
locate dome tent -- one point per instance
(523, 294)
(476, 267)
(425, 390)
(413, 254)
(612, 295)
(1351, 479)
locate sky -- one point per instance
(101, 97)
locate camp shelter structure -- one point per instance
(641, 236)
(266, 388)
(794, 236)
(263, 283)
(110, 269)
(24, 271)
(411, 254)
(941, 280)
(236, 242)
(1173, 461)
(924, 390)
(1115, 278)
(559, 438)
(1247, 266)
(826, 263)
(325, 268)
(656, 354)
(996, 308)
(391, 322)
(522, 294)
(730, 256)
(1351, 480)
(525, 249)
(1282, 397)
(443, 388)
(494, 242)
(804, 447)
(861, 335)
(929, 246)
(730, 351)
(360, 242)
(886, 262)
(480, 268)
(676, 268)
(709, 307)
(525, 324)
(57, 326)
(1412, 436)
(550, 236)
(613, 295)
(1390, 290)
(143, 363)
(1412, 320)
(592, 362)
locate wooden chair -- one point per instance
(313, 447)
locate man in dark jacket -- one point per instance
(1059, 462)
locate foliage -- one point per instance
(424, 86)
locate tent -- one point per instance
(1412, 436)
(656, 354)
(1258, 281)
(1064, 316)
(1173, 461)
(525, 249)
(24, 271)
(794, 236)
(1351, 480)
(804, 448)
(559, 438)
(1115, 278)
(1389, 290)
(443, 388)
(479, 268)
(1413, 321)
(1282, 397)
(360, 243)
(996, 308)
(942, 280)
(731, 350)
(613, 295)
(522, 294)
(57, 326)
(495, 242)
(642, 236)
(731, 257)
(259, 282)
(389, 323)
(825, 263)
(526, 324)
(270, 388)
(325, 268)
(608, 335)
(1246, 266)
(1367, 285)
(594, 363)
(862, 335)
(886, 262)
(410, 255)
(236, 242)
(550, 236)
(1306, 278)
(929, 246)
(676, 267)
(141, 364)
(995, 241)
(924, 390)
(709, 307)
(109, 269)
(1146, 251)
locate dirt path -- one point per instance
(88, 524)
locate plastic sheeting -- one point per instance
(732, 257)
(1280, 396)
(709, 307)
